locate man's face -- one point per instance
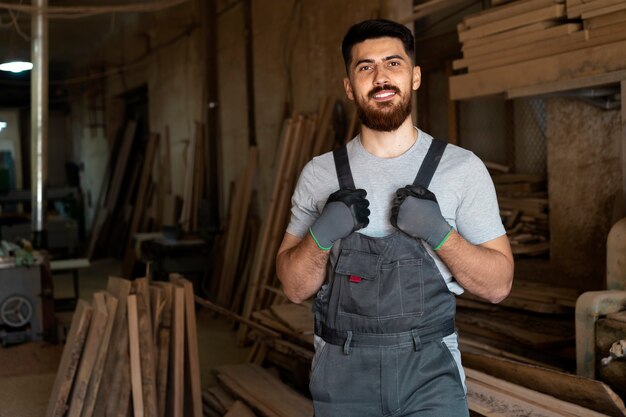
(380, 82)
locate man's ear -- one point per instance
(417, 77)
(348, 87)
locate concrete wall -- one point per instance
(297, 40)
(161, 51)
(583, 177)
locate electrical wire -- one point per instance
(73, 12)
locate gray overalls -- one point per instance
(383, 314)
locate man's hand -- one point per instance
(415, 211)
(345, 211)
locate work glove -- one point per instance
(346, 211)
(415, 211)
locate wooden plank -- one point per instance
(120, 166)
(504, 398)
(99, 318)
(588, 6)
(569, 42)
(520, 40)
(146, 356)
(162, 370)
(570, 65)
(239, 409)
(588, 393)
(529, 30)
(236, 229)
(298, 318)
(604, 11)
(605, 20)
(140, 203)
(223, 399)
(177, 360)
(263, 391)
(98, 369)
(261, 249)
(164, 336)
(74, 343)
(185, 216)
(116, 363)
(523, 19)
(570, 84)
(135, 356)
(193, 405)
(497, 13)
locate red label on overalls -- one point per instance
(354, 278)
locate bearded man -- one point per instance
(386, 230)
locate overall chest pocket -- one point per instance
(373, 289)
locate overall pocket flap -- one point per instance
(361, 264)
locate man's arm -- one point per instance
(301, 267)
(485, 270)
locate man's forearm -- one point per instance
(482, 271)
(302, 269)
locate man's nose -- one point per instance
(380, 76)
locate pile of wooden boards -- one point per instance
(531, 42)
(500, 387)
(132, 351)
(244, 280)
(523, 203)
(248, 390)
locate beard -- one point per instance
(386, 116)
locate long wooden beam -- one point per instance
(561, 67)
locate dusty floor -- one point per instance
(27, 371)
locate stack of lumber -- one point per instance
(527, 43)
(524, 210)
(250, 390)
(494, 397)
(233, 261)
(495, 382)
(132, 351)
(302, 137)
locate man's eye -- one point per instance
(394, 63)
(364, 68)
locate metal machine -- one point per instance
(20, 299)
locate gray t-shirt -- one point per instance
(462, 185)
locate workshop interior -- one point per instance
(149, 151)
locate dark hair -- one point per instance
(374, 29)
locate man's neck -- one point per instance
(389, 144)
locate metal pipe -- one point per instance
(616, 257)
(39, 122)
(589, 307)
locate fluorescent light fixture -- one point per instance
(3, 125)
(16, 66)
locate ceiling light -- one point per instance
(16, 66)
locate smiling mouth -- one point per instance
(384, 93)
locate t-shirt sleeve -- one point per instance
(304, 210)
(478, 216)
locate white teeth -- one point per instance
(384, 95)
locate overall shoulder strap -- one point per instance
(342, 165)
(430, 163)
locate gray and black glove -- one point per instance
(346, 211)
(416, 212)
